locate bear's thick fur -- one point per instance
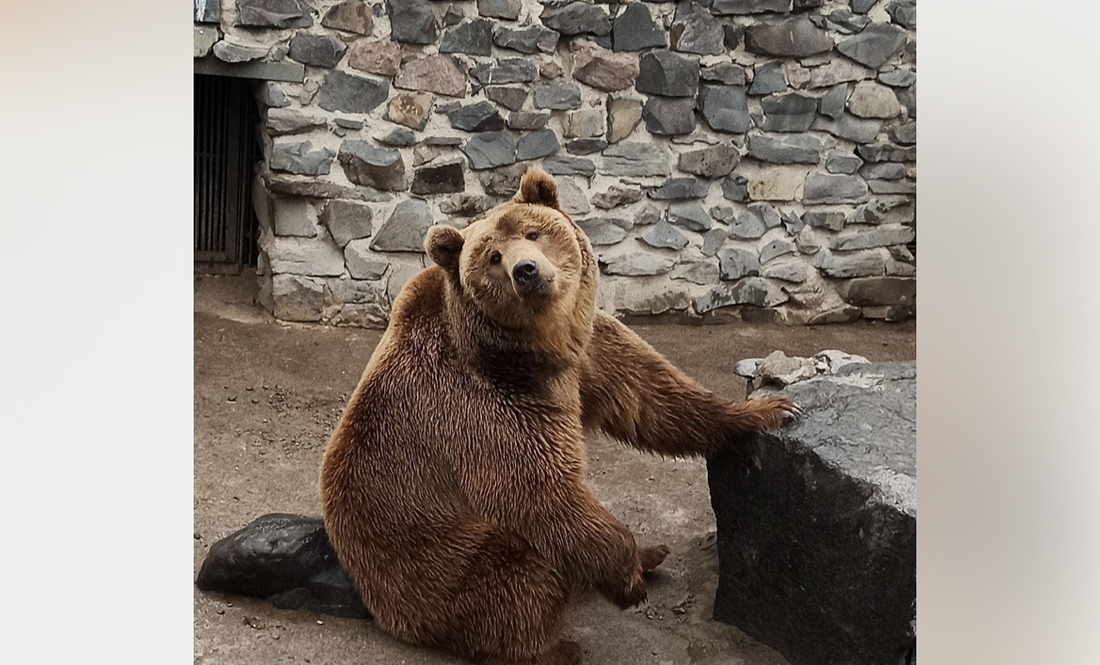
(453, 488)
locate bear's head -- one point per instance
(524, 266)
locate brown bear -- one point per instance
(453, 488)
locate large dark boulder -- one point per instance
(286, 560)
(817, 525)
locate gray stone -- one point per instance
(877, 291)
(467, 205)
(834, 101)
(623, 115)
(898, 78)
(533, 39)
(375, 57)
(849, 127)
(829, 188)
(585, 146)
(272, 96)
(472, 38)
(362, 264)
(791, 221)
(768, 78)
(435, 73)
(316, 50)
(892, 186)
(235, 53)
(636, 159)
(697, 271)
(633, 264)
(573, 199)
(317, 189)
(316, 257)
(274, 14)
(350, 16)
(479, 117)
(404, 231)
(562, 165)
(300, 158)
(793, 112)
(843, 20)
(510, 97)
(487, 150)
(837, 70)
(788, 271)
(754, 291)
(347, 221)
(712, 162)
(735, 263)
(439, 179)
(297, 298)
(838, 163)
(616, 196)
(399, 137)
(882, 171)
(602, 232)
(586, 123)
(906, 133)
(862, 6)
(742, 7)
(681, 188)
(506, 9)
(208, 11)
(602, 69)
(348, 123)
(695, 30)
(292, 217)
(785, 149)
(778, 369)
(505, 70)
(664, 235)
(735, 188)
(635, 30)
(558, 95)
(690, 216)
(723, 214)
(732, 35)
(205, 36)
(794, 37)
(885, 210)
(352, 94)
(864, 263)
(845, 314)
(776, 248)
(871, 100)
(292, 121)
(903, 12)
(879, 236)
(724, 72)
(450, 141)
(668, 74)
(843, 473)
(577, 18)
(380, 168)
(875, 45)
(527, 120)
(410, 110)
(411, 21)
(824, 219)
(669, 116)
(453, 16)
(886, 152)
(713, 241)
(908, 98)
(537, 144)
(725, 108)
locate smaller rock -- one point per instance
(467, 205)
(411, 21)
(562, 165)
(695, 30)
(506, 9)
(664, 235)
(616, 196)
(577, 18)
(623, 115)
(634, 264)
(871, 100)
(904, 13)
(822, 219)
(479, 117)
(768, 78)
(668, 74)
(505, 70)
(776, 248)
(300, 158)
(635, 30)
(725, 108)
(603, 69)
(435, 73)
(205, 37)
(849, 127)
(712, 162)
(780, 370)
(792, 38)
(735, 263)
(487, 150)
(681, 188)
(875, 45)
(380, 168)
(537, 144)
(898, 78)
(906, 134)
(735, 188)
(558, 95)
(439, 179)
(510, 97)
(316, 50)
(400, 137)
(375, 57)
(886, 152)
(352, 94)
(725, 72)
(533, 39)
(690, 216)
(350, 16)
(362, 265)
(602, 232)
(667, 116)
(839, 163)
(346, 221)
(227, 51)
(585, 146)
(410, 109)
(641, 158)
(585, 123)
(793, 112)
(404, 231)
(785, 149)
(472, 38)
(527, 120)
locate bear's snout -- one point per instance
(525, 272)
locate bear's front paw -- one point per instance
(651, 557)
(633, 594)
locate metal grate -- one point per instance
(226, 148)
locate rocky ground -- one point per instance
(267, 395)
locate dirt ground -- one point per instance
(267, 396)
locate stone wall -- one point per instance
(729, 159)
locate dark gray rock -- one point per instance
(527, 120)
(875, 45)
(883, 171)
(467, 205)
(208, 11)
(562, 165)
(834, 101)
(577, 18)
(510, 97)
(558, 95)
(227, 51)
(785, 148)
(479, 117)
(735, 263)
(748, 225)
(586, 123)
(439, 179)
(602, 69)
(380, 168)
(862, 6)
(503, 181)
(635, 30)
(532, 39)
(794, 37)
(898, 78)
(903, 12)
(793, 112)
(274, 14)
(892, 186)
(668, 74)
(634, 264)
(690, 216)
(506, 9)
(843, 20)
(301, 158)
(317, 50)
(864, 263)
(829, 188)
(725, 108)
(664, 235)
(742, 7)
(669, 116)
(399, 137)
(603, 232)
(680, 189)
(849, 127)
(713, 240)
(585, 146)
(824, 219)
(472, 38)
(616, 196)
(647, 158)
(768, 78)
(286, 560)
(840, 484)
(726, 72)
(352, 94)
(411, 21)
(879, 236)
(291, 121)
(908, 98)
(347, 221)
(272, 96)
(695, 30)
(879, 291)
(453, 16)
(886, 152)
(836, 162)
(404, 231)
(487, 150)
(735, 188)
(505, 70)
(537, 144)
(350, 16)
(712, 162)
(755, 291)
(906, 133)
(723, 214)
(776, 248)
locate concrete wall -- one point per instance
(729, 159)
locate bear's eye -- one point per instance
(532, 236)
(495, 258)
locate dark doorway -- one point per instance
(227, 147)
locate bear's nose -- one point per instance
(525, 272)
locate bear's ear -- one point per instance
(444, 244)
(537, 188)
